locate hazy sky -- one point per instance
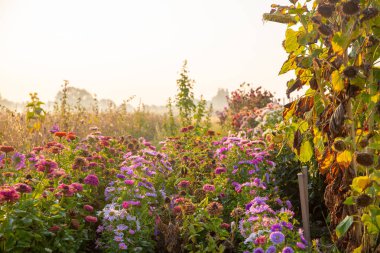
(136, 47)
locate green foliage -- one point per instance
(190, 112)
(344, 225)
(333, 51)
(35, 114)
(185, 97)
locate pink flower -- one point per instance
(260, 240)
(91, 219)
(125, 204)
(129, 182)
(208, 188)
(88, 208)
(220, 170)
(77, 186)
(91, 179)
(183, 184)
(8, 194)
(68, 190)
(132, 232)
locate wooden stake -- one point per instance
(302, 181)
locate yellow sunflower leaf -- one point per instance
(359, 184)
(337, 81)
(344, 158)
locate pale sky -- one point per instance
(117, 49)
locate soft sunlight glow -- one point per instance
(121, 48)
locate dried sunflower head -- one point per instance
(351, 7)
(326, 10)
(364, 159)
(363, 200)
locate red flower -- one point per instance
(60, 134)
(7, 149)
(125, 204)
(71, 136)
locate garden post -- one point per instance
(302, 181)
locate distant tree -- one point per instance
(73, 94)
(219, 101)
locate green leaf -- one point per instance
(27, 221)
(306, 152)
(374, 145)
(349, 201)
(339, 43)
(343, 226)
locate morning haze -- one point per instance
(117, 49)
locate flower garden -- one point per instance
(197, 185)
(197, 194)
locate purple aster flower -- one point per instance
(279, 201)
(122, 246)
(260, 209)
(260, 200)
(121, 227)
(267, 177)
(256, 182)
(248, 206)
(54, 129)
(253, 218)
(91, 179)
(258, 250)
(277, 237)
(151, 194)
(271, 249)
(118, 238)
(288, 204)
(288, 225)
(276, 227)
(287, 250)
(121, 176)
(19, 160)
(100, 229)
(303, 239)
(300, 245)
